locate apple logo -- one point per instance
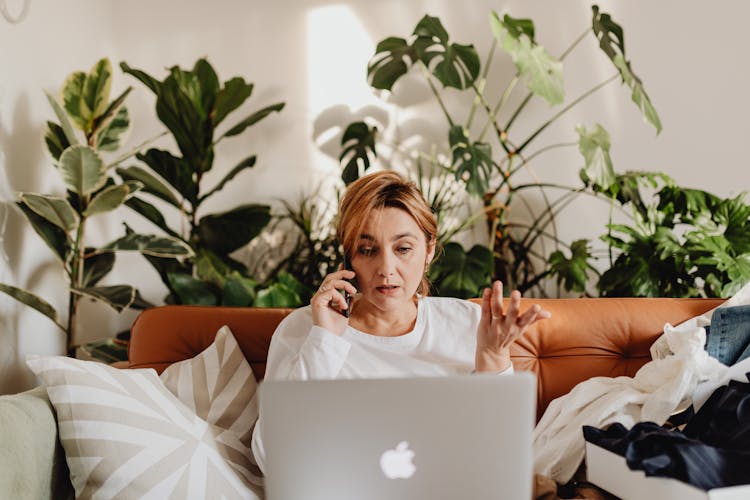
(397, 463)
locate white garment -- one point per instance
(443, 342)
(680, 364)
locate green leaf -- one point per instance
(235, 92)
(112, 197)
(239, 291)
(572, 271)
(66, 126)
(210, 268)
(390, 62)
(31, 300)
(254, 118)
(244, 164)
(177, 172)
(56, 210)
(149, 244)
(112, 135)
(118, 297)
(96, 267)
(152, 83)
(594, 146)
(101, 121)
(151, 213)
(612, 42)
(96, 89)
(358, 138)
(151, 184)
(55, 238)
(71, 96)
(54, 137)
(541, 72)
(82, 169)
(189, 290)
(208, 84)
(472, 162)
(226, 232)
(285, 292)
(458, 65)
(462, 274)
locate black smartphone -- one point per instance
(347, 296)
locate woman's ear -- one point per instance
(430, 252)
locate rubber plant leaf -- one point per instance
(55, 238)
(612, 42)
(82, 169)
(118, 297)
(33, 301)
(65, 124)
(541, 72)
(112, 197)
(149, 244)
(151, 184)
(56, 210)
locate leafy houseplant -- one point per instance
(61, 221)
(487, 157)
(192, 104)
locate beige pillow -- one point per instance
(126, 436)
(220, 387)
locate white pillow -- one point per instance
(220, 387)
(126, 435)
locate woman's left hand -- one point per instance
(498, 329)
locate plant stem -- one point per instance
(435, 92)
(564, 110)
(482, 83)
(77, 266)
(528, 159)
(503, 98)
(135, 150)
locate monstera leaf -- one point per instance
(389, 62)
(594, 146)
(472, 161)
(453, 64)
(541, 72)
(572, 272)
(462, 274)
(612, 43)
(358, 138)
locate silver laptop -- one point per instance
(459, 437)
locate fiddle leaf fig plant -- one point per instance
(84, 106)
(493, 158)
(193, 105)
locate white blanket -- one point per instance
(659, 388)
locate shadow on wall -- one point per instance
(21, 167)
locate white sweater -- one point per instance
(443, 342)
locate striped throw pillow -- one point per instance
(126, 436)
(220, 387)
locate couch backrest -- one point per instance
(585, 337)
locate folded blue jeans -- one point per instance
(728, 335)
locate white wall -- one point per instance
(313, 55)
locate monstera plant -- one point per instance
(492, 158)
(193, 105)
(84, 106)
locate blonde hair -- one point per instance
(377, 191)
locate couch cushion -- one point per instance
(124, 432)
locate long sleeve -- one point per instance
(300, 351)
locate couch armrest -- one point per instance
(32, 462)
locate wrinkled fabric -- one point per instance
(728, 335)
(653, 394)
(664, 453)
(724, 420)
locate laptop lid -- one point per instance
(465, 437)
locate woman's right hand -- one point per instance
(328, 302)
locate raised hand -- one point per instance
(498, 329)
(328, 302)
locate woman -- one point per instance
(393, 329)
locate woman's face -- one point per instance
(389, 258)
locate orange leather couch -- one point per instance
(584, 338)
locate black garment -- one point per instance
(713, 451)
